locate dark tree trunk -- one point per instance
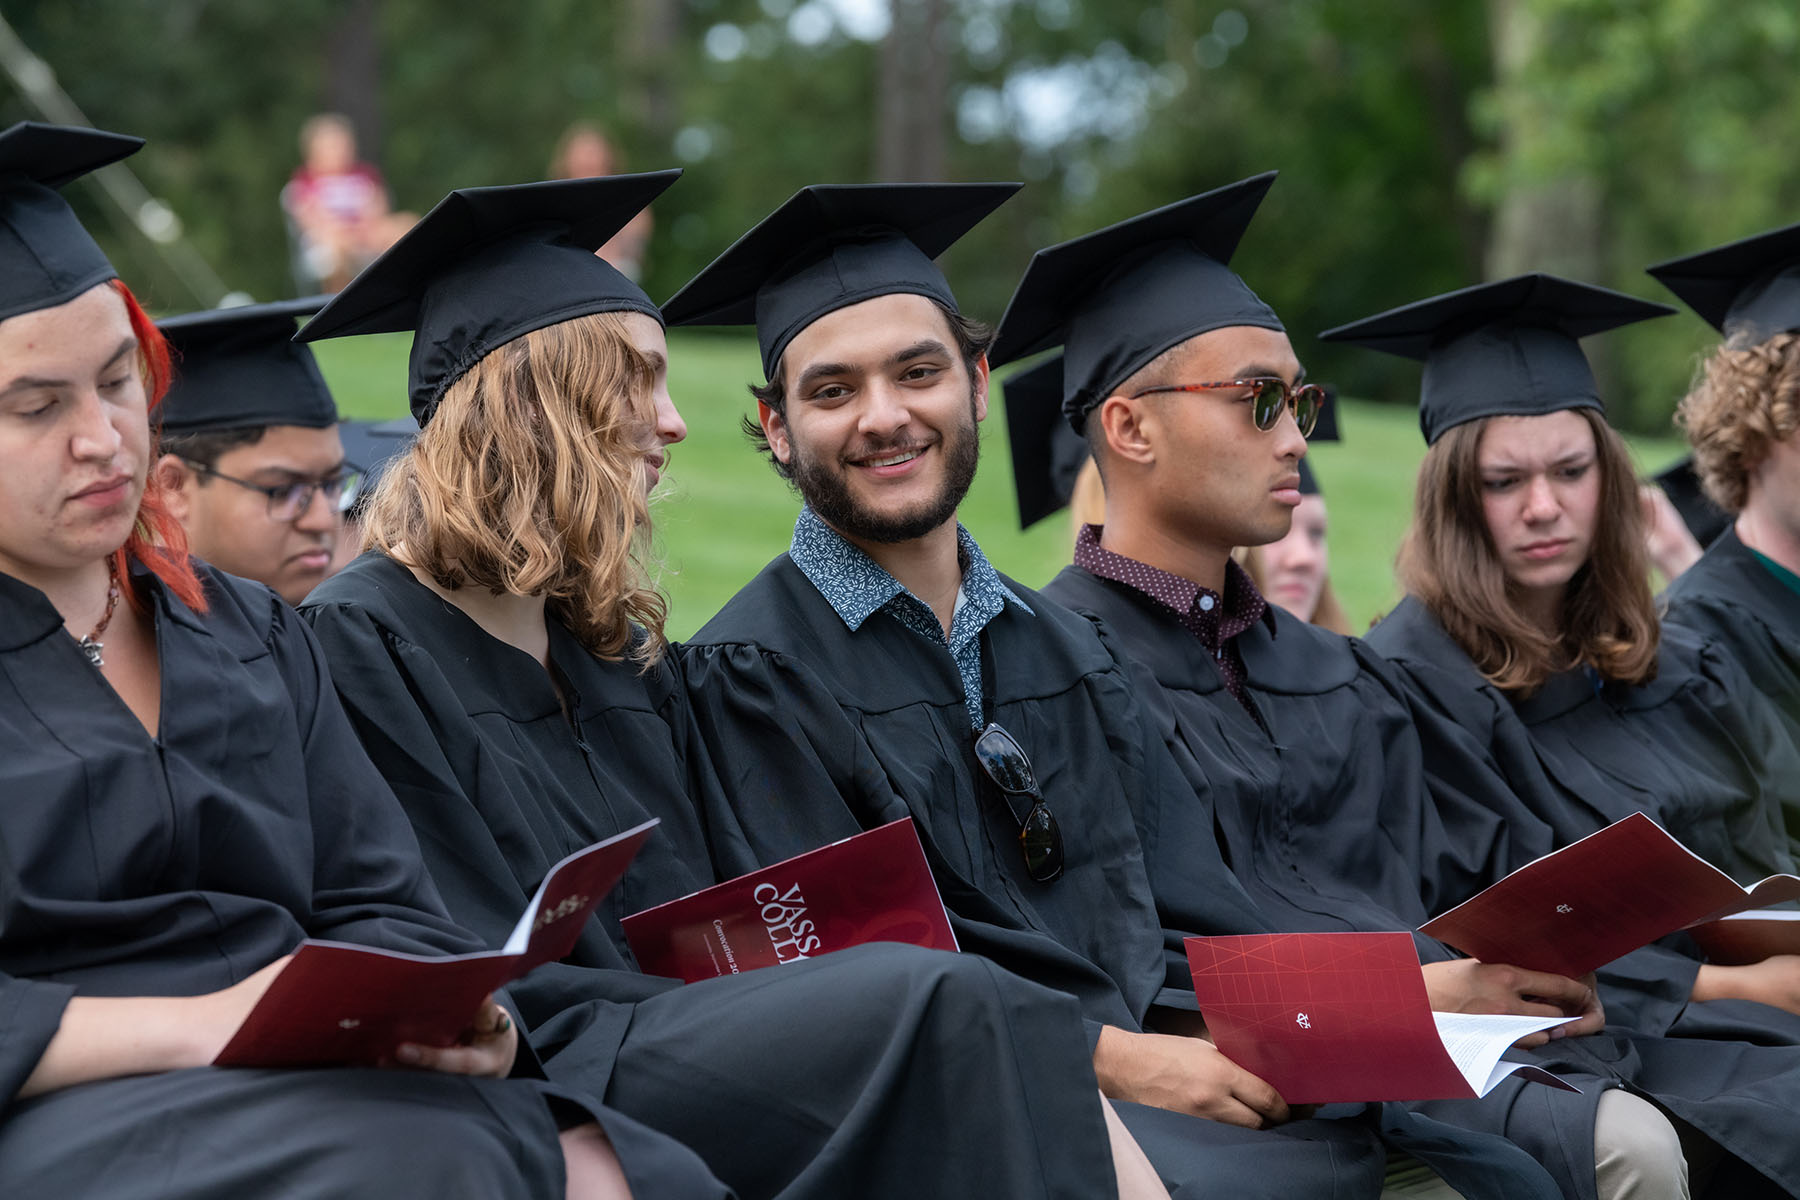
(913, 101)
(353, 73)
(649, 44)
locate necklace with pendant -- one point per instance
(91, 645)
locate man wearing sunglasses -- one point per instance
(1303, 762)
(882, 668)
(250, 457)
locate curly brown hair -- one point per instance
(1745, 397)
(1448, 561)
(529, 480)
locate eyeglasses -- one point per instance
(1268, 396)
(1007, 767)
(287, 501)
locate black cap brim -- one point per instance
(1738, 284)
(1047, 455)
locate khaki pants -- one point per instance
(1637, 1156)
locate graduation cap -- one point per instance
(1704, 519)
(1047, 454)
(1327, 430)
(370, 446)
(239, 368)
(491, 264)
(1751, 286)
(1116, 298)
(46, 257)
(1509, 348)
(831, 246)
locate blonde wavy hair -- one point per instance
(1328, 613)
(1448, 561)
(1745, 397)
(529, 480)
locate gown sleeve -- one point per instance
(30, 1014)
(369, 884)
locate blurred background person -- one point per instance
(337, 206)
(584, 152)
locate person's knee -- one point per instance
(1637, 1151)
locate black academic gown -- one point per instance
(1697, 748)
(821, 732)
(1327, 821)
(1731, 600)
(818, 1079)
(1693, 751)
(178, 865)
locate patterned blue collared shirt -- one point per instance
(857, 588)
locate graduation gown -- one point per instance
(1731, 600)
(822, 1078)
(820, 732)
(175, 865)
(1327, 822)
(1697, 748)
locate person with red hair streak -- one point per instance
(185, 802)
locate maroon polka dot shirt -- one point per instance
(1214, 620)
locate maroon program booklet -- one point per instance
(1604, 896)
(336, 1004)
(1330, 1017)
(874, 887)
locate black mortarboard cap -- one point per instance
(1327, 430)
(370, 446)
(1116, 298)
(831, 246)
(1509, 348)
(239, 368)
(491, 264)
(1681, 483)
(46, 257)
(1750, 287)
(1047, 455)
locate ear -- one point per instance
(774, 427)
(1130, 428)
(176, 482)
(981, 388)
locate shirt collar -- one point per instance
(1241, 598)
(856, 586)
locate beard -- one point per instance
(825, 486)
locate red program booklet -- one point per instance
(339, 1004)
(1596, 899)
(874, 887)
(1748, 937)
(1325, 1018)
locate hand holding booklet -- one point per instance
(338, 1004)
(1325, 1018)
(1608, 894)
(874, 887)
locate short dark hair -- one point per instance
(206, 446)
(973, 338)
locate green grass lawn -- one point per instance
(722, 513)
